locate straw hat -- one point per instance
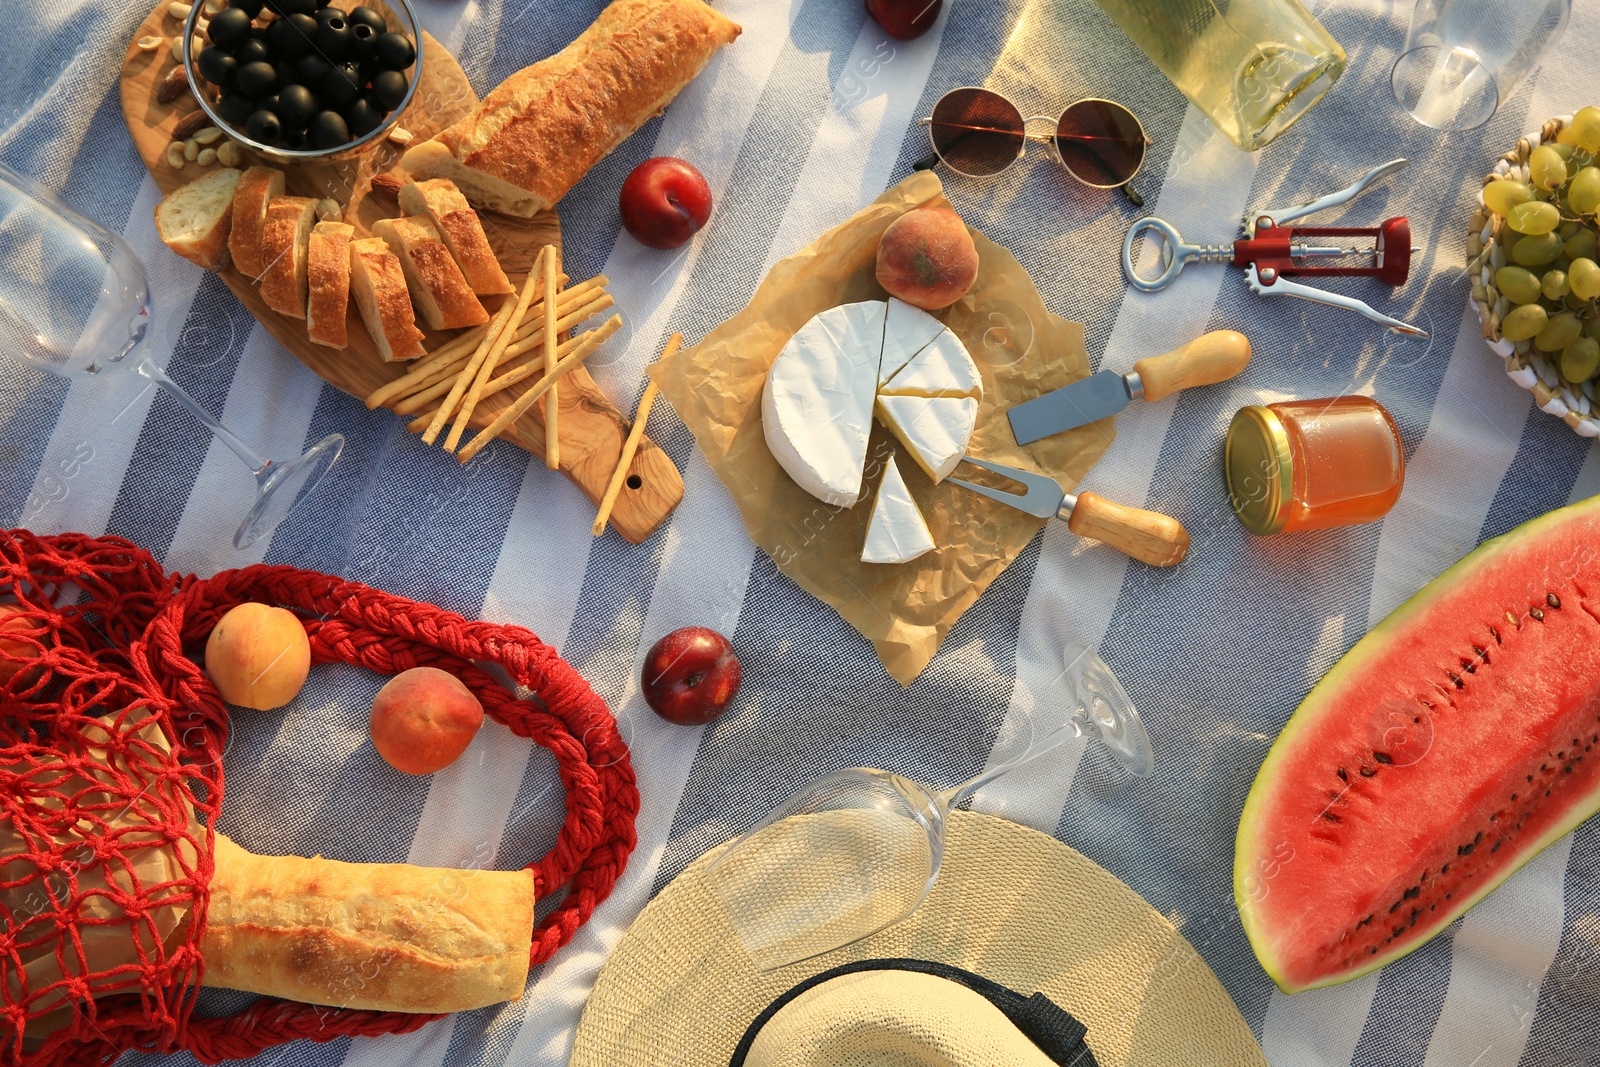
(1011, 905)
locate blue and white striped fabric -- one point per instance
(807, 117)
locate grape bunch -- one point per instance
(1552, 271)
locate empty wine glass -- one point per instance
(74, 300)
(859, 849)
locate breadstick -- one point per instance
(496, 326)
(443, 357)
(552, 402)
(502, 339)
(591, 341)
(564, 323)
(631, 445)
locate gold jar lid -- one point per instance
(1260, 469)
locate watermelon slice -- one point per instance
(1452, 743)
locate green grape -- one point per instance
(1592, 329)
(1569, 229)
(1584, 194)
(1568, 134)
(1585, 127)
(1554, 284)
(1547, 167)
(1501, 196)
(1534, 218)
(1523, 322)
(1565, 151)
(1535, 250)
(1559, 332)
(1583, 278)
(1518, 284)
(1580, 359)
(1581, 245)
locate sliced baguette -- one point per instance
(441, 203)
(283, 248)
(256, 190)
(328, 281)
(379, 286)
(195, 220)
(438, 288)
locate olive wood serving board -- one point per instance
(592, 429)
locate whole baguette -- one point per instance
(377, 936)
(541, 130)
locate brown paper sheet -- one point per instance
(1022, 350)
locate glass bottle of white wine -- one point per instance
(1253, 66)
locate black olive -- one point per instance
(396, 52)
(327, 13)
(217, 66)
(361, 116)
(340, 85)
(328, 130)
(296, 140)
(252, 51)
(293, 37)
(249, 7)
(313, 69)
(268, 104)
(334, 39)
(229, 27)
(366, 16)
(288, 73)
(292, 7)
(365, 47)
(258, 32)
(263, 126)
(389, 88)
(257, 80)
(235, 109)
(296, 106)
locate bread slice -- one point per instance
(441, 203)
(256, 190)
(194, 221)
(438, 287)
(532, 138)
(328, 282)
(381, 295)
(283, 249)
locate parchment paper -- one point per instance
(1022, 350)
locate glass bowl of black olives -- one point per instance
(305, 81)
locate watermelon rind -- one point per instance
(1356, 660)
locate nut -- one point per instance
(191, 150)
(202, 28)
(329, 208)
(178, 10)
(175, 158)
(151, 43)
(208, 135)
(207, 157)
(400, 135)
(229, 154)
(214, 7)
(191, 125)
(387, 184)
(172, 85)
(177, 48)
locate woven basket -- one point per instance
(1535, 371)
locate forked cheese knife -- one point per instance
(1208, 359)
(1147, 536)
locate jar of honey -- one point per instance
(1311, 464)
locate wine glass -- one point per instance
(74, 300)
(859, 849)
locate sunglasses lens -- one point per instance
(976, 132)
(1100, 142)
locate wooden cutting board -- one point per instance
(592, 429)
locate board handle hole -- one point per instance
(634, 481)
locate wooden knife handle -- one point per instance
(1148, 536)
(1208, 359)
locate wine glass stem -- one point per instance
(253, 459)
(1072, 728)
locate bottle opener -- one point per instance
(1270, 252)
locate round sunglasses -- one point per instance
(979, 133)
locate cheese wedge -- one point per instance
(935, 429)
(907, 330)
(816, 406)
(941, 368)
(897, 533)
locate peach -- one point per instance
(423, 719)
(258, 656)
(926, 258)
(14, 653)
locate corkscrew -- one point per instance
(1270, 252)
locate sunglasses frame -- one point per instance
(1038, 138)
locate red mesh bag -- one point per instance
(111, 781)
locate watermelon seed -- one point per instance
(1331, 817)
(1432, 906)
(1567, 769)
(1561, 754)
(1447, 896)
(1483, 653)
(1398, 930)
(1368, 772)
(1530, 777)
(1547, 792)
(1467, 666)
(1372, 951)
(1395, 907)
(1496, 635)
(1413, 893)
(1496, 847)
(1414, 913)
(1445, 869)
(1495, 816)
(1537, 614)
(1383, 757)
(1513, 796)
(1553, 600)
(1456, 678)
(1344, 776)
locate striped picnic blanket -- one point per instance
(807, 117)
